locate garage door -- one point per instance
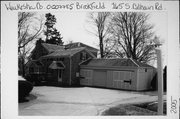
(86, 77)
(99, 78)
(123, 79)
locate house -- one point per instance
(56, 63)
(76, 63)
(116, 73)
(79, 44)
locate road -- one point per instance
(81, 101)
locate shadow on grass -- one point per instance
(136, 109)
(125, 110)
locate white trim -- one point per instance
(84, 61)
(90, 53)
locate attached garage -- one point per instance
(125, 74)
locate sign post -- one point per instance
(160, 81)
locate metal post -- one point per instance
(160, 82)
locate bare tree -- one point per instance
(29, 28)
(132, 36)
(100, 20)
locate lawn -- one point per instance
(133, 109)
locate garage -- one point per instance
(99, 78)
(126, 74)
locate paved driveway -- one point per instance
(83, 101)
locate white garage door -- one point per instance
(99, 78)
(123, 79)
(86, 77)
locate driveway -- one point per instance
(81, 101)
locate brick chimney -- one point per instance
(39, 41)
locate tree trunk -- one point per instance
(101, 47)
(23, 68)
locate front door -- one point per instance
(60, 75)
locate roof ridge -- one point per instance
(76, 48)
(134, 62)
(85, 45)
(52, 44)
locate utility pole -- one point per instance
(160, 81)
(157, 45)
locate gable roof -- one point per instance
(141, 64)
(114, 62)
(36, 63)
(52, 47)
(79, 44)
(65, 53)
(57, 65)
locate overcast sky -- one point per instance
(74, 26)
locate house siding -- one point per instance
(66, 71)
(43, 52)
(145, 77)
(75, 68)
(51, 74)
(139, 81)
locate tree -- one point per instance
(132, 36)
(100, 21)
(29, 29)
(51, 33)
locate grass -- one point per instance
(153, 106)
(130, 109)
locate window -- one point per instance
(60, 59)
(31, 70)
(83, 56)
(35, 70)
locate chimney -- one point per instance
(38, 42)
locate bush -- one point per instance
(154, 82)
(35, 79)
(24, 88)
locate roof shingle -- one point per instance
(114, 62)
(64, 53)
(52, 47)
(79, 44)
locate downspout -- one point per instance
(70, 69)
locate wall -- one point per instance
(66, 71)
(109, 82)
(86, 77)
(76, 68)
(99, 78)
(123, 76)
(51, 75)
(145, 77)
